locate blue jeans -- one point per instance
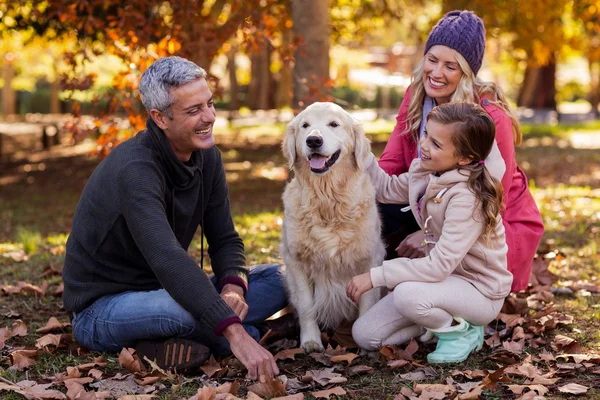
(120, 320)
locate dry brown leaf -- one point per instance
(514, 346)
(359, 370)
(19, 328)
(518, 389)
(434, 391)
(573, 388)
(33, 390)
(417, 375)
(74, 389)
(95, 373)
(297, 396)
(59, 290)
(288, 354)
(147, 380)
(268, 387)
(325, 394)
(398, 364)
(51, 340)
(511, 319)
(205, 393)
(137, 397)
(22, 359)
(349, 357)
(38, 291)
(16, 255)
(98, 362)
(322, 359)
(253, 396)
(525, 369)
(229, 387)
(211, 367)
(494, 340)
(324, 377)
(130, 361)
(53, 324)
(566, 344)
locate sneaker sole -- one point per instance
(177, 353)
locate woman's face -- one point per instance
(441, 73)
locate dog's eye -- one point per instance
(334, 124)
(305, 125)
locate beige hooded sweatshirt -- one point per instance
(453, 231)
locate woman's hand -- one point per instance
(358, 285)
(412, 246)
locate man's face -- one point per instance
(193, 115)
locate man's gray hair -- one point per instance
(163, 75)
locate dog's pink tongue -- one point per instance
(317, 161)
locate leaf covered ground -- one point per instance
(544, 344)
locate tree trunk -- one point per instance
(539, 87)
(283, 97)
(54, 92)
(311, 70)
(594, 95)
(261, 81)
(234, 87)
(9, 98)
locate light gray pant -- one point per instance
(413, 306)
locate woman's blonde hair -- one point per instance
(470, 88)
(473, 136)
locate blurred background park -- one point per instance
(69, 78)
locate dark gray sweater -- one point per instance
(135, 220)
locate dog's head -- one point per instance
(323, 136)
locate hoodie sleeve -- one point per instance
(140, 191)
(388, 189)
(459, 233)
(225, 247)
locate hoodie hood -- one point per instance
(181, 176)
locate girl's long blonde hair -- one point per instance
(470, 88)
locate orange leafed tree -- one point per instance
(139, 32)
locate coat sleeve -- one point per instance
(225, 247)
(393, 159)
(506, 145)
(142, 204)
(388, 189)
(459, 233)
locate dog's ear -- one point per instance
(289, 143)
(362, 146)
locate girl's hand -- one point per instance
(358, 285)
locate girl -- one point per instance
(461, 284)
(448, 72)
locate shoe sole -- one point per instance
(177, 353)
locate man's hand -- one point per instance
(233, 295)
(258, 360)
(412, 246)
(358, 285)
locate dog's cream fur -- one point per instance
(331, 226)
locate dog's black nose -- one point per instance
(314, 141)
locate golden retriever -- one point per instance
(331, 226)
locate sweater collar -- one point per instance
(180, 175)
(447, 178)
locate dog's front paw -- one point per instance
(312, 346)
(368, 354)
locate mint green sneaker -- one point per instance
(455, 343)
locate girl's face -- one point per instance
(437, 151)
(441, 73)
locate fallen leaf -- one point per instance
(325, 376)
(137, 397)
(130, 361)
(398, 364)
(349, 357)
(229, 387)
(98, 362)
(511, 319)
(205, 393)
(22, 359)
(268, 387)
(434, 391)
(95, 373)
(19, 328)
(566, 344)
(324, 394)
(573, 388)
(297, 396)
(211, 367)
(417, 375)
(359, 370)
(59, 290)
(33, 390)
(518, 389)
(16, 255)
(52, 340)
(514, 346)
(53, 324)
(288, 354)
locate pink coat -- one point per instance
(522, 219)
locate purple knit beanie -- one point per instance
(462, 31)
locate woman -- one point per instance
(448, 72)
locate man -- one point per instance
(129, 280)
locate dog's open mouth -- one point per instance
(320, 164)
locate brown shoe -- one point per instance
(177, 353)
